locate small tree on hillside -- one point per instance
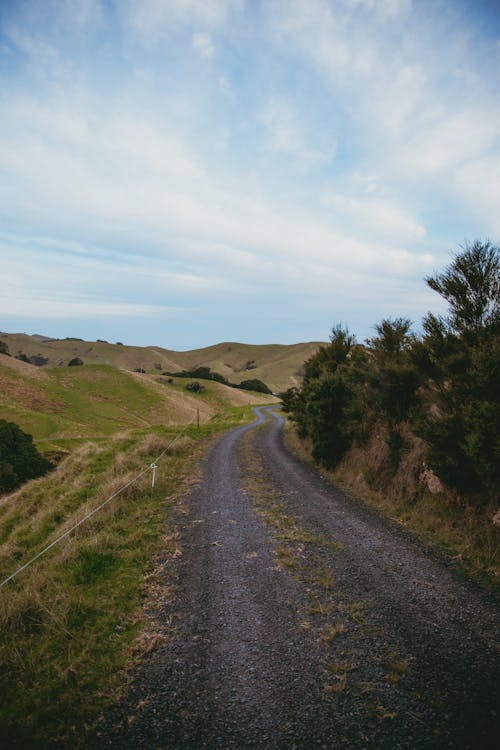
(19, 458)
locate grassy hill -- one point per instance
(60, 405)
(278, 365)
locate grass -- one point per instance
(63, 406)
(278, 365)
(69, 622)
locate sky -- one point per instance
(185, 172)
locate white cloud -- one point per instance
(418, 89)
(156, 17)
(286, 133)
(203, 45)
(377, 215)
(478, 184)
(451, 140)
(82, 13)
(26, 307)
(120, 173)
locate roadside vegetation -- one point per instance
(413, 422)
(71, 620)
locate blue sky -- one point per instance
(184, 172)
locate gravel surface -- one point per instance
(296, 617)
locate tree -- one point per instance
(254, 385)
(19, 458)
(471, 286)
(392, 376)
(460, 354)
(324, 409)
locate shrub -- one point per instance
(195, 387)
(254, 385)
(19, 458)
(461, 357)
(446, 384)
(4, 349)
(39, 360)
(75, 362)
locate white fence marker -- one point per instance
(154, 467)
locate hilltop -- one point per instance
(277, 365)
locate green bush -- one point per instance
(446, 383)
(19, 458)
(195, 387)
(254, 385)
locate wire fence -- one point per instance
(152, 467)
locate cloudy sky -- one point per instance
(184, 172)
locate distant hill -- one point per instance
(60, 405)
(277, 365)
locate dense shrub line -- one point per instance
(445, 383)
(205, 373)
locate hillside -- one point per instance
(60, 405)
(278, 365)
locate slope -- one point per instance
(65, 404)
(278, 365)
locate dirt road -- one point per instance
(299, 618)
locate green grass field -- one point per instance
(63, 405)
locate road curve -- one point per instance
(303, 619)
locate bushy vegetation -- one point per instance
(254, 384)
(205, 373)
(195, 387)
(19, 458)
(36, 359)
(444, 385)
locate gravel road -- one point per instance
(296, 617)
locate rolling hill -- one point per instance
(278, 365)
(61, 406)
